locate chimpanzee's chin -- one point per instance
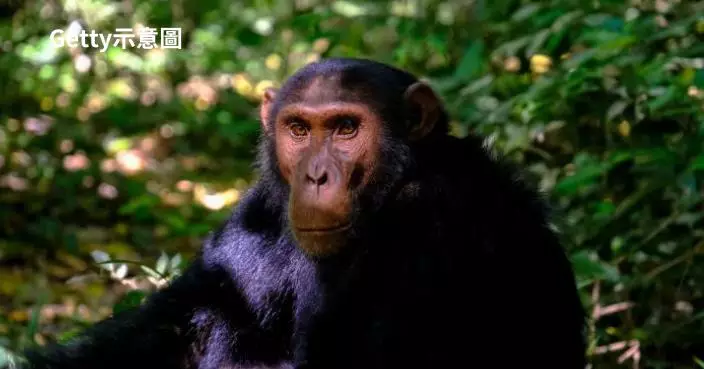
(322, 244)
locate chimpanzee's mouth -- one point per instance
(337, 228)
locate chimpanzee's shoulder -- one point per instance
(253, 235)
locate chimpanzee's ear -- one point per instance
(265, 107)
(422, 95)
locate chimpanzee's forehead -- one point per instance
(329, 88)
(378, 86)
(342, 79)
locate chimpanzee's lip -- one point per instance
(336, 228)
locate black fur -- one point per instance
(453, 266)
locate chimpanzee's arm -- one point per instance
(543, 298)
(154, 335)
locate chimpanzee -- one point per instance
(372, 239)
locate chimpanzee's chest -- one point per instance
(398, 321)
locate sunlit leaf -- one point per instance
(176, 262)
(162, 263)
(125, 59)
(42, 52)
(101, 258)
(151, 272)
(121, 272)
(8, 359)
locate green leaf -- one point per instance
(176, 262)
(673, 30)
(660, 156)
(604, 209)
(579, 58)
(596, 19)
(620, 156)
(250, 38)
(476, 86)
(538, 41)
(698, 163)
(349, 9)
(587, 266)
(41, 52)
(124, 58)
(525, 12)
(141, 202)
(69, 334)
(175, 222)
(570, 185)
(131, 300)
(117, 145)
(616, 109)
(699, 78)
(151, 272)
(471, 63)
(566, 20)
(511, 48)
(669, 95)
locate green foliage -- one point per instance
(139, 153)
(130, 300)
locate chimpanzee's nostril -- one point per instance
(323, 178)
(318, 178)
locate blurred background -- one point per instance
(115, 164)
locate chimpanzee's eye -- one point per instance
(297, 129)
(347, 126)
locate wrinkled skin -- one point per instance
(371, 240)
(327, 149)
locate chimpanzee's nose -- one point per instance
(317, 174)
